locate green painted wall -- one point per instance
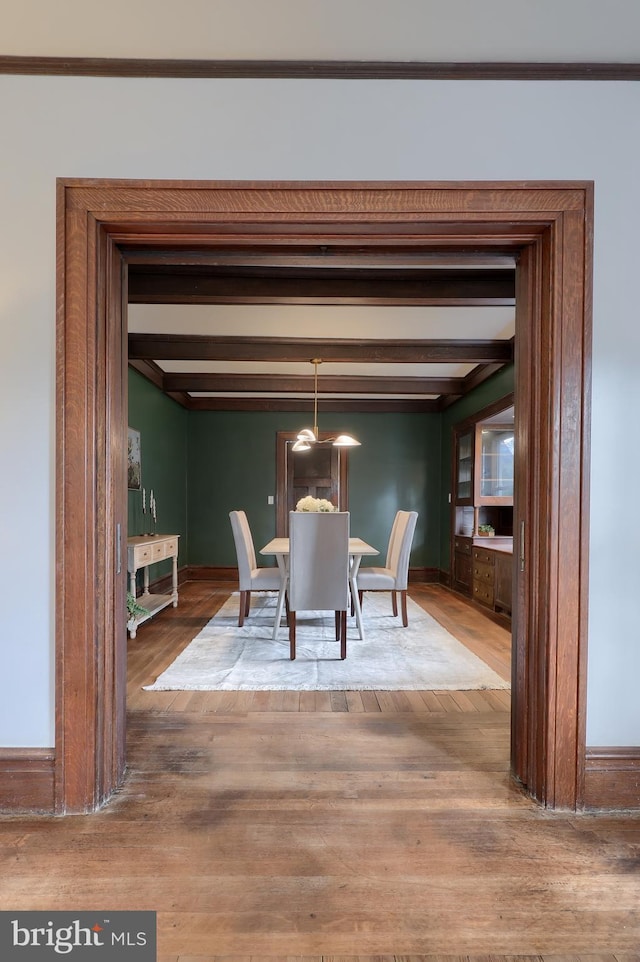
(501, 384)
(231, 464)
(203, 464)
(163, 454)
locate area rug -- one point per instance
(423, 657)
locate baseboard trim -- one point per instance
(424, 576)
(26, 780)
(212, 573)
(612, 778)
(164, 585)
(215, 573)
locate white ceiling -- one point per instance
(289, 320)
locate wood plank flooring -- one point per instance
(378, 828)
(159, 641)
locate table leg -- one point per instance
(284, 577)
(174, 581)
(353, 582)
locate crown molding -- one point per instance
(315, 69)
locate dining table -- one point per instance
(357, 551)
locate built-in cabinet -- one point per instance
(482, 506)
(492, 577)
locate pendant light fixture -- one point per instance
(307, 437)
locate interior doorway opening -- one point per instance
(552, 242)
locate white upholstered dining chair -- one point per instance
(250, 576)
(319, 569)
(395, 574)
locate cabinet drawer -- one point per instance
(483, 556)
(170, 548)
(483, 573)
(483, 593)
(462, 546)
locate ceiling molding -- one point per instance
(315, 69)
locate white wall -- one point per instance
(431, 30)
(308, 130)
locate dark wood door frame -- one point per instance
(547, 225)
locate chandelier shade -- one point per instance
(307, 437)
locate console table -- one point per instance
(142, 551)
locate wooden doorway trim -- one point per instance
(547, 225)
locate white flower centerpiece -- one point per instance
(315, 504)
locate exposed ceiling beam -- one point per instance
(388, 258)
(148, 369)
(329, 384)
(193, 347)
(291, 286)
(345, 406)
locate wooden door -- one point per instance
(320, 472)
(314, 473)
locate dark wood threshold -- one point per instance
(316, 69)
(612, 778)
(26, 780)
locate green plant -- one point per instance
(133, 608)
(486, 529)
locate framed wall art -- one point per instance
(134, 466)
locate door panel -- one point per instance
(321, 472)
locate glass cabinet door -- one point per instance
(464, 467)
(495, 468)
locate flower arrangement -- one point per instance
(315, 504)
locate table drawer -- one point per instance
(157, 551)
(171, 548)
(142, 555)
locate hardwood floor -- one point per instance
(347, 827)
(161, 640)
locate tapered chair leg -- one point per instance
(394, 603)
(343, 635)
(337, 617)
(292, 635)
(242, 609)
(403, 602)
(248, 608)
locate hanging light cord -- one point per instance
(316, 361)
